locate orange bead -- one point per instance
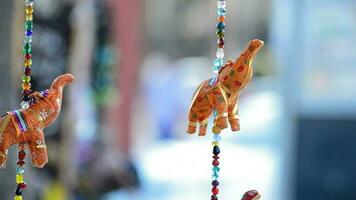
(26, 86)
(221, 19)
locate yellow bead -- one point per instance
(27, 62)
(18, 197)
(29, 10)
(19, 178)
(215, 143)
(29, 17)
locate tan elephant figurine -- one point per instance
(221, 93)
(26, 125)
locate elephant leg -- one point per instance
(233, 114)
(192, 124)
(203, 126)
(7, 138)
(219, 102)
(38, 149)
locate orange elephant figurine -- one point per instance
(26, 125)
(221, 93)
(251, 195)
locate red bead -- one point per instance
(28, 56)
(221, 42)
(21, 162)
(215, 191)
(22, 185)
(215, 162)
(22, 155)
(216, 157)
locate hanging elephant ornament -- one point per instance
(221, 93)
(26, 125)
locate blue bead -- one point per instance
(217, 137)
(28, 33)
(218, 62)
(20, 170)
(221, 11)
(220, 25)
(215, 175)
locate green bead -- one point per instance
(27, 49)
(216, 169)
(220, 33)
(26, 78)
(29, 25)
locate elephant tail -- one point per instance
(62, 81)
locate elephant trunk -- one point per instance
(62, 81)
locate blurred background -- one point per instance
(121, 133)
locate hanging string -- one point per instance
(218, 63)
(26, 91)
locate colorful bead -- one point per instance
(29, 3)
(22, 185)
(220, 33)
(218, 62)
(18, 198)
(27, 49)
(28, 39)
(221, 4)
(25, 105)
(215, 190)
(216, 169)
(221, 18)
(220, 53)
(19, 178)
(216, 163)
(29, 17)
(213, 197)
(29, 10)
(221, 11)
(26, 85)
(28, 32)
(20, 170)
(215, 183)
(215, 143)
(216, 150)
(27, 62)
(220, 25)
(29, 25)
(18, 192)
(22, 155)
(27, 71)
(217, 137)
(28, 56)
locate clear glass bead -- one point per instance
(217, 137)
(221, 4)
(220, 53)
(25, 105)
(29, 3)
(28, 39)
(221, 11)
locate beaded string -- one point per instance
(218, 63)
(26, 91)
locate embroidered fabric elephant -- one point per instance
(221, 93)
(26, 125)
(251, 195)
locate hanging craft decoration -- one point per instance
(219, 95)
(38, 111)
